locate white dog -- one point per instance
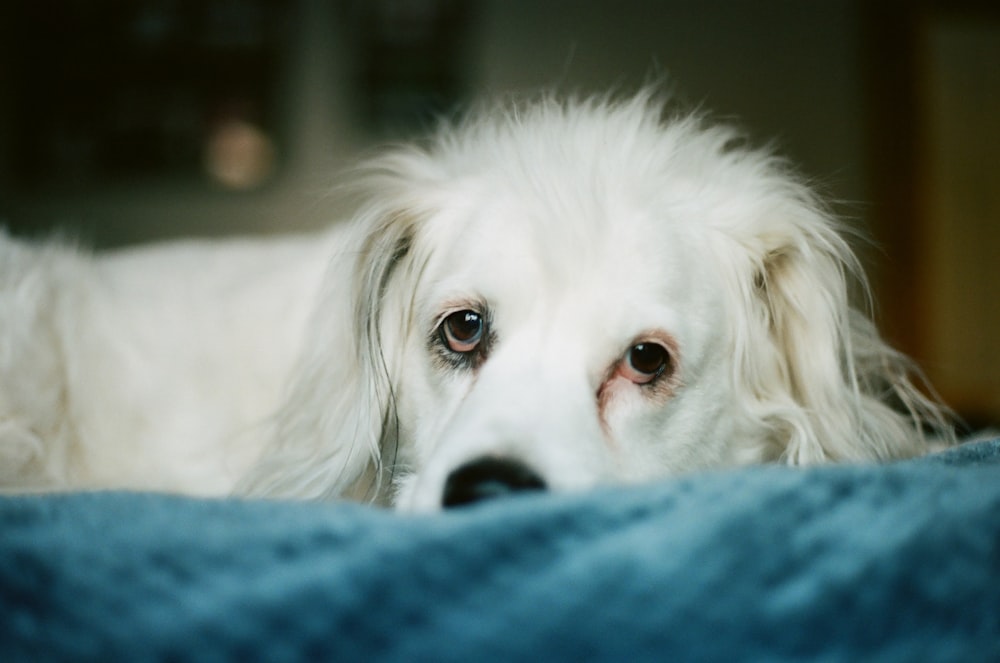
(558, 294)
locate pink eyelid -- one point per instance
(633, 375)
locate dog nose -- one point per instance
(486, 478)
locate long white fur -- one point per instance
(303, 367)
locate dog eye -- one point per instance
(462, 331)
(644, 362)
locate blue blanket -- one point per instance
(891, 563)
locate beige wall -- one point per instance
(959, 248)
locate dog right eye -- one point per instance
(463, 331)
(645, 362)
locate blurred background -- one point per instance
(124, 121)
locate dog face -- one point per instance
(568, 294)
(580, 334)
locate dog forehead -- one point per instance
(565, 232)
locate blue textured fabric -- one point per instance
(898, 562)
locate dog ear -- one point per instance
(336, 433)
(817, 372)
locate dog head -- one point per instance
(567, 294)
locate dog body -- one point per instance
(557, 294)
(150, 368)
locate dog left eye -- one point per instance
(462, 331)
(644, 362)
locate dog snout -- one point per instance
(487, 478)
